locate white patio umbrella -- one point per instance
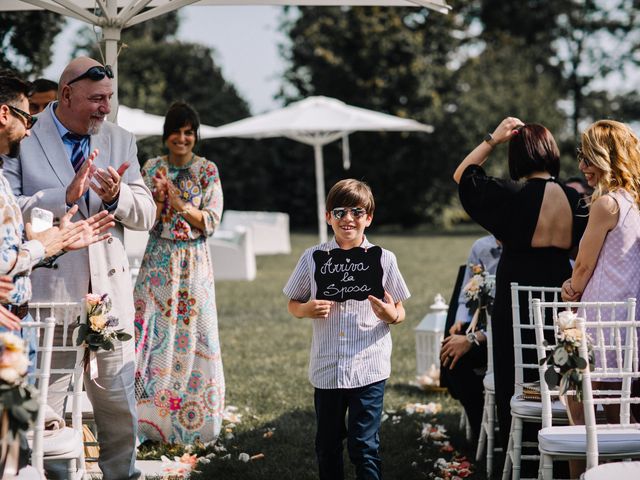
(112, 16)
(143, 124)
(317, 121)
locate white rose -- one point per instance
(9, 375)
(566, 320)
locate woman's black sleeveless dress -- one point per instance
(510, 210)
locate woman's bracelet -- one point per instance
(186, 210)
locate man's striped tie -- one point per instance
(77, 153)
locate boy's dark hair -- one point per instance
(44, 85)
(533, 149)
(180, 115)
(351, 193)
(12, 88)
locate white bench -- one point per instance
(269, 230)
(231, 253)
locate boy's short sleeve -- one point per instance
(394, 283)
(299, 285)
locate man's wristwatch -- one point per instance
(472, 337)
(489, 139)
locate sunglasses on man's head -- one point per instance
(29, 120)
(356, 212)
(95, 73)
(582, 158)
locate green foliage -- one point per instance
(392, 60)
(156, 70)
(27, 40)
(21, 403)
(581, 41)
(565, 365)
(429, 67)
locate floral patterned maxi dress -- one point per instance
(179, 378)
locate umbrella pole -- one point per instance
(111, 37)
(322, 226)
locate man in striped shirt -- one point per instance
(350, 356)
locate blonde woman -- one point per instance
(608, 264)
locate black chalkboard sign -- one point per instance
(348, 274)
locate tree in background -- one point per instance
(548, 62)
(392, 60)
(155, 70)
(542, 61)
(585, 43)
(424, 66)
(26, 40)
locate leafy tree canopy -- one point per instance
(26, 40)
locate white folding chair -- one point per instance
(65, 388)
(465, 425)
(526, 369)
(39, 376)
(614, 329)
(488, 423)
(619, 470)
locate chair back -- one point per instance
(524, 339)
(66, 381)
(43, 332)
(489, 335)
(613, 329)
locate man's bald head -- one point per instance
(76, 67)
(83, 96)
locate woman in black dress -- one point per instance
(538, 221)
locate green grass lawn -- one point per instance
(265, 353)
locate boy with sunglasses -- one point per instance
(351, 345)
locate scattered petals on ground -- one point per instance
(433, 432)
(231, 415)
(458, 467)
(430, 408)
(179, 467)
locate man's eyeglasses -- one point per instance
(356, 212)
(582, 157)
(95, 73)
(29, 120)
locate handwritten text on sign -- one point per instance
(348, 274)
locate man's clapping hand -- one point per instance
(72, 235)
(82, 179)
(89, 231)
(107, 182)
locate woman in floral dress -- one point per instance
(179, 377)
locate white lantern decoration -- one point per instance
(429, 335)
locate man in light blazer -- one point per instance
(74, 156)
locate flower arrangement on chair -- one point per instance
(564, 362)
(18, 404)
(98, 331)
(478, 293)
